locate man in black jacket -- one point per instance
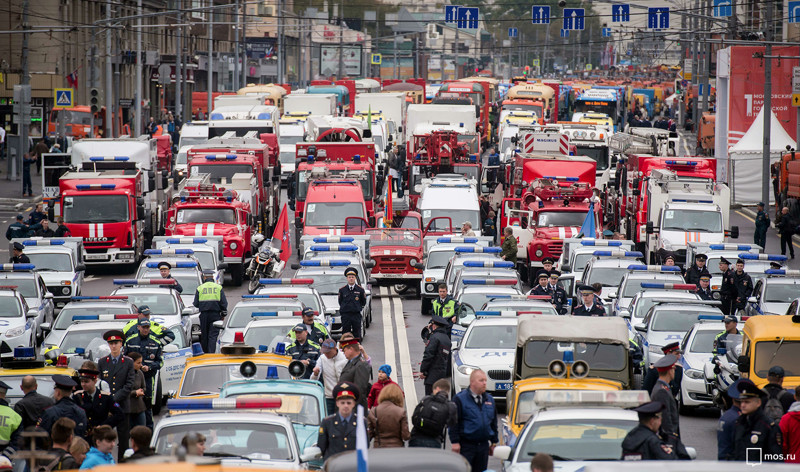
(743, 285)
(697, 269)
(786, 226)
(441, 403)
(753, 429)
(643, 443)
(352, 299)
(117, 370)
(33, 404)
(663, 393)
(436, 357)
(356, 371)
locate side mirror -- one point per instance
(649, 227)
(140, 213)
(170, 348)
(32, 312)
(164, 180)
(51, 214)
(45, 327)
(624, 313)
(691, 452)
(219, 324)
(635, 192)
(502, 452)
(48, 296)
(298, 222)
(80, 267)
(566, 268)
(641, 327)
(295, 266)
(187, 312)
(612, 295)
(310, 453)
(372, 281)
(371, 221)
(752, 300)
(734, 232)
(743, 363)
(369, 264)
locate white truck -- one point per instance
(391, 106)
(422, 119)
(242, 119)
(683, 211)
(291, 133)
(60, 263)
(449, 197)
(304, 104)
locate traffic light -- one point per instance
(527, 70)
(94, 99)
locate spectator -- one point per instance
(384, 374)
(489, 226)
(32, 405)
(200, 115)
(40, 148)
(466, 229)
(78, 449)
(137, 416)
(786, 227)
(484, 206)
(194, 443)
(104, 439)
(37, 215)
(140, 443)
(778, 400)
(152, 127)
(356, 370)
(392, 429)
(542, 462)
(790, 428)
(27, 184)
(44, 231)
(329, 369)
(17, 229)
(509, 252)
(61, 436)
(62, 231)
(475, 434)
(432, 415)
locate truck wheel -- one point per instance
(237, 274)
(401, 288)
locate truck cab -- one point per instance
(334, 206)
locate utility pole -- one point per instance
(395, 57)
(706, 59)
(696, 66)
(456, 50)
(137, 122)
(109, 76)
(210, 85)
(341, 43)
(243, 45)
(281, 42)
(24, 111)
(179, 62)
(767, 108)
(236, 48)
(684, 42)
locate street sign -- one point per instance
(794, 13)
(588, 67)
(513, 32)
(467, 17)
(64, 97)
(450, 13)
(376, 59)
(796, 99)
(606, 32)
(125, 102)
(658, 18)
(536, 63)
(795, 81)
(621, 14)
(723, 8)
(540, 14)
(573, 18)
(564, 33)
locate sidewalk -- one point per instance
(11, 198)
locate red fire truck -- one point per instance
(480, 95)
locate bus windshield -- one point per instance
(598, 106)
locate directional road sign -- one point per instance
(467, 17)
(658, 18)
(606, 32)
(513, 32)
(794, 12)
(573, 18)
(723, 8)
(540, 14)
(450, 13)
(564, 33)
(621, 13)
(377, 59)
(64, 97)
(796, 99)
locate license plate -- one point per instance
(502, 386)
(95, 257)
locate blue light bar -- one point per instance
(175, 265)
(221, 157)
(258, 314)
(680, 163)
(186, 240)
(22, 353)
(334, 247)
(167, 252)
(260, 296)
(794, 273)
(16, 267)
(730, 247)
(618, 253)
(450, 185)
(568, 179)
(710, 317)
(330, 263)
(334, 239)
(490, 263)
(490, 249)
(197, 349)
(601, 242)
(457, 240)
(669, 286)
(264, 116)
(96, 186)
(286, 281)
(489, 281)
(44, 242)
(653, 268)
(217, 116)
(762, 257)
(236, 403)
(272, 371)
(109, 158)
(108, 297)
(85, 317)
(487, 313)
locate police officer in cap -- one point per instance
(643, 442)
(651, 377)
(444, 305)
(541, 289)
(547, 268)
(436, 357)
(558, 293)
(18, 257)
(337, 432)
(731, 328)
(352, 299)
(151, 349)
(669, 260)
(10, 424)
(164, 268)
(697, 269)
(587, 306)
(117, 370)
(213, 305)
(743, 285)
(62, 391)
(704, 288)
(317, 332)
(727, 290)
(662, 392)
(164, 335)
(100, 408)
(303, 349)
(753, 429)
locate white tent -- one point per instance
(746, 159)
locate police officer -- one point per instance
(210, 300)
(10, 424)
(164, 268)
(727, 422)
(753, 429)
(117, 370)
(163, 334)
(762, 225)
(445, 305)
(727, 290)
(651, 376)
(64, 406)
(100, 408)
(663, 393)
(352, 299)
(356, 371)
(17, 229)
(436, 357)
(337, 432)
(643, 442)
(303, 349)
(731, 327)
(558, 293)
(18, 257)
(150, 347)
(743, 285)
(588, 306)
(704, 288)
(547, 266)
(693, 273)
(543, 280)
(317, 332)
(669, 260)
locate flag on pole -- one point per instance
(361, 442)
(72, 79)
(388, 214)
(282, 234)
(588, 229)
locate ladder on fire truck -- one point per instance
(678, 189)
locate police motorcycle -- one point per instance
(267, 263)
(722, 370)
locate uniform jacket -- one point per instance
(150, 348)
(651, 377)
(388, 425)
(120, 379)
(539, 290)
(21, 259)
(790, 430)
(727, 290)
(16, 230)
(559, 297)
(436, 357)
(595, 310)
(31, 407)
(308, 351)
(762, 221)
(669, 417)
(756, 431)
(178, 287)
(352, 301)
(693, 274)
(743, 285)
(445, 308)
(10, 429)
(336, 435)
(100, 409)
(65, 407)
(156, 329)
(357, 372)
(475, 424)
(210, 305)
(641, 443)
(727, 425)
(509, 249)
(706, 294)
(317, 333)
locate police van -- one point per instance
(59, 262)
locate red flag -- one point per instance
(282, 234)
(72, 79)
(388, 215)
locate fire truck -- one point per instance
(203, 208)
(439, 152)
(481, 97)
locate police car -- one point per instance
(468, 253)
(491, 277)
(166, 307)
(607, 267)
(436, 259)
(27, 282)
(579, 252)
(636, 274)
(256, 307)
(207, 250)
(714, 252)
(24, 363)
(773, 294)
(82, 306)
(17, 321)
(489, 344)
(185, 270)
(654, 292)
(59, 262)
(668, 322)
(304, 291)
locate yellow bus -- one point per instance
(271, 93)
(536, 91)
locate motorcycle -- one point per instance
(267, 264)
(722, 370)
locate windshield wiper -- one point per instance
(776, 350)
(227, 454)
(200, 392)
(555, 457)
(673, 228)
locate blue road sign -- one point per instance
(467, 17)
(794, 11)
(63, 97)
(621, 13)
(573, 18)
(513, 32)
(564, 33)
(450, 13)
(722, 8)
(540, 14)
(606, 32)
(658, 18)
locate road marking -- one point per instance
(388, 333)
(5, 221)
(745, 215)
(405, 357)
(90, 278)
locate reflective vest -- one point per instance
(446, 309)
(209, 292)
(9, 422)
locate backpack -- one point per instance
(430, 416)
(774, 408)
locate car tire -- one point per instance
(683, 409)
(368, 320)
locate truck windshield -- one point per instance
(222, 173)
(599, 154)
(456, 217)
(599, 356)
(364, 178)
(561, 218)
(86, 209)
(191, 141)
(692, 220)
(51, 262)
(782, 352)
(390, 237)
(207, 215)
(439, 259)
(597, 106)
(332, 214)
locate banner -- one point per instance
(329, 60)
(282, 234)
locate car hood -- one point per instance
(55, 278)
(662, 338)
(774, 308)
(437, 274)
(54, 338)
(331, 302)
(558, 466)
(485, 358)
(695, 360)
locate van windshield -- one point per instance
(781, 352)
(598, 356)
(332, 214)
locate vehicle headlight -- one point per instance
(429, 287)
(65, 290)
(539, 252)
(466, 369)
(694, 374)
(233, 245)
(655, 349)
(715, 295)
(14, 332)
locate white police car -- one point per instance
(668, 322)
(304, 291)
(654, 292)
(17, 323)
(576, 253)
(60, 264)
(30, 285)
(636, 274)
(257, 307)
(773, 294)
(185, 270)
(84, 305)
(166, 307)
(437, 257)
(489, 344)
(464, 254)
(607, 267)
(207, 250)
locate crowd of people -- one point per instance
(37, 224)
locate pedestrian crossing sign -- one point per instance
(376, 59)
(63, 97)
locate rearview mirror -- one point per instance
(218, 324)
(372, 281)
(80, 267)
(743, 363)
(170, 348)
(310, 453)
(752, 300)
(187, 312)
(45, 327)
(222, 266)
(295, 266)
(502, 452)
(32, 313)
(641, 327)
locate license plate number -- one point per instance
(94, 257)
(503, 386)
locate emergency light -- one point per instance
(730, 247)
(710, 317)
(17, 267)
(286, 281)
(583, 398)
(175, 265)
(167, 252)
(487, 313)
(490, 249)
(96, 186)
(618, 254)
(457, 240)
(334, 247)
(328, 263)
(185, 241)
(334, 239)
(264, 314)
(24, 353)
(788, 272)
(762, 257)
(601, 242)
(680, 163)
(490, 281)
(8, 287)
(109, 158)
(126, 316)
(106, 297)
(561, 177)
(669, 286)
(507, 264)
(44, 242)
(238, 403)
(279, 295)
(450, 185)
(264, 116)
(220, 157)
(653, 268)
(357, 158)
(521, 297)
(145, 281)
